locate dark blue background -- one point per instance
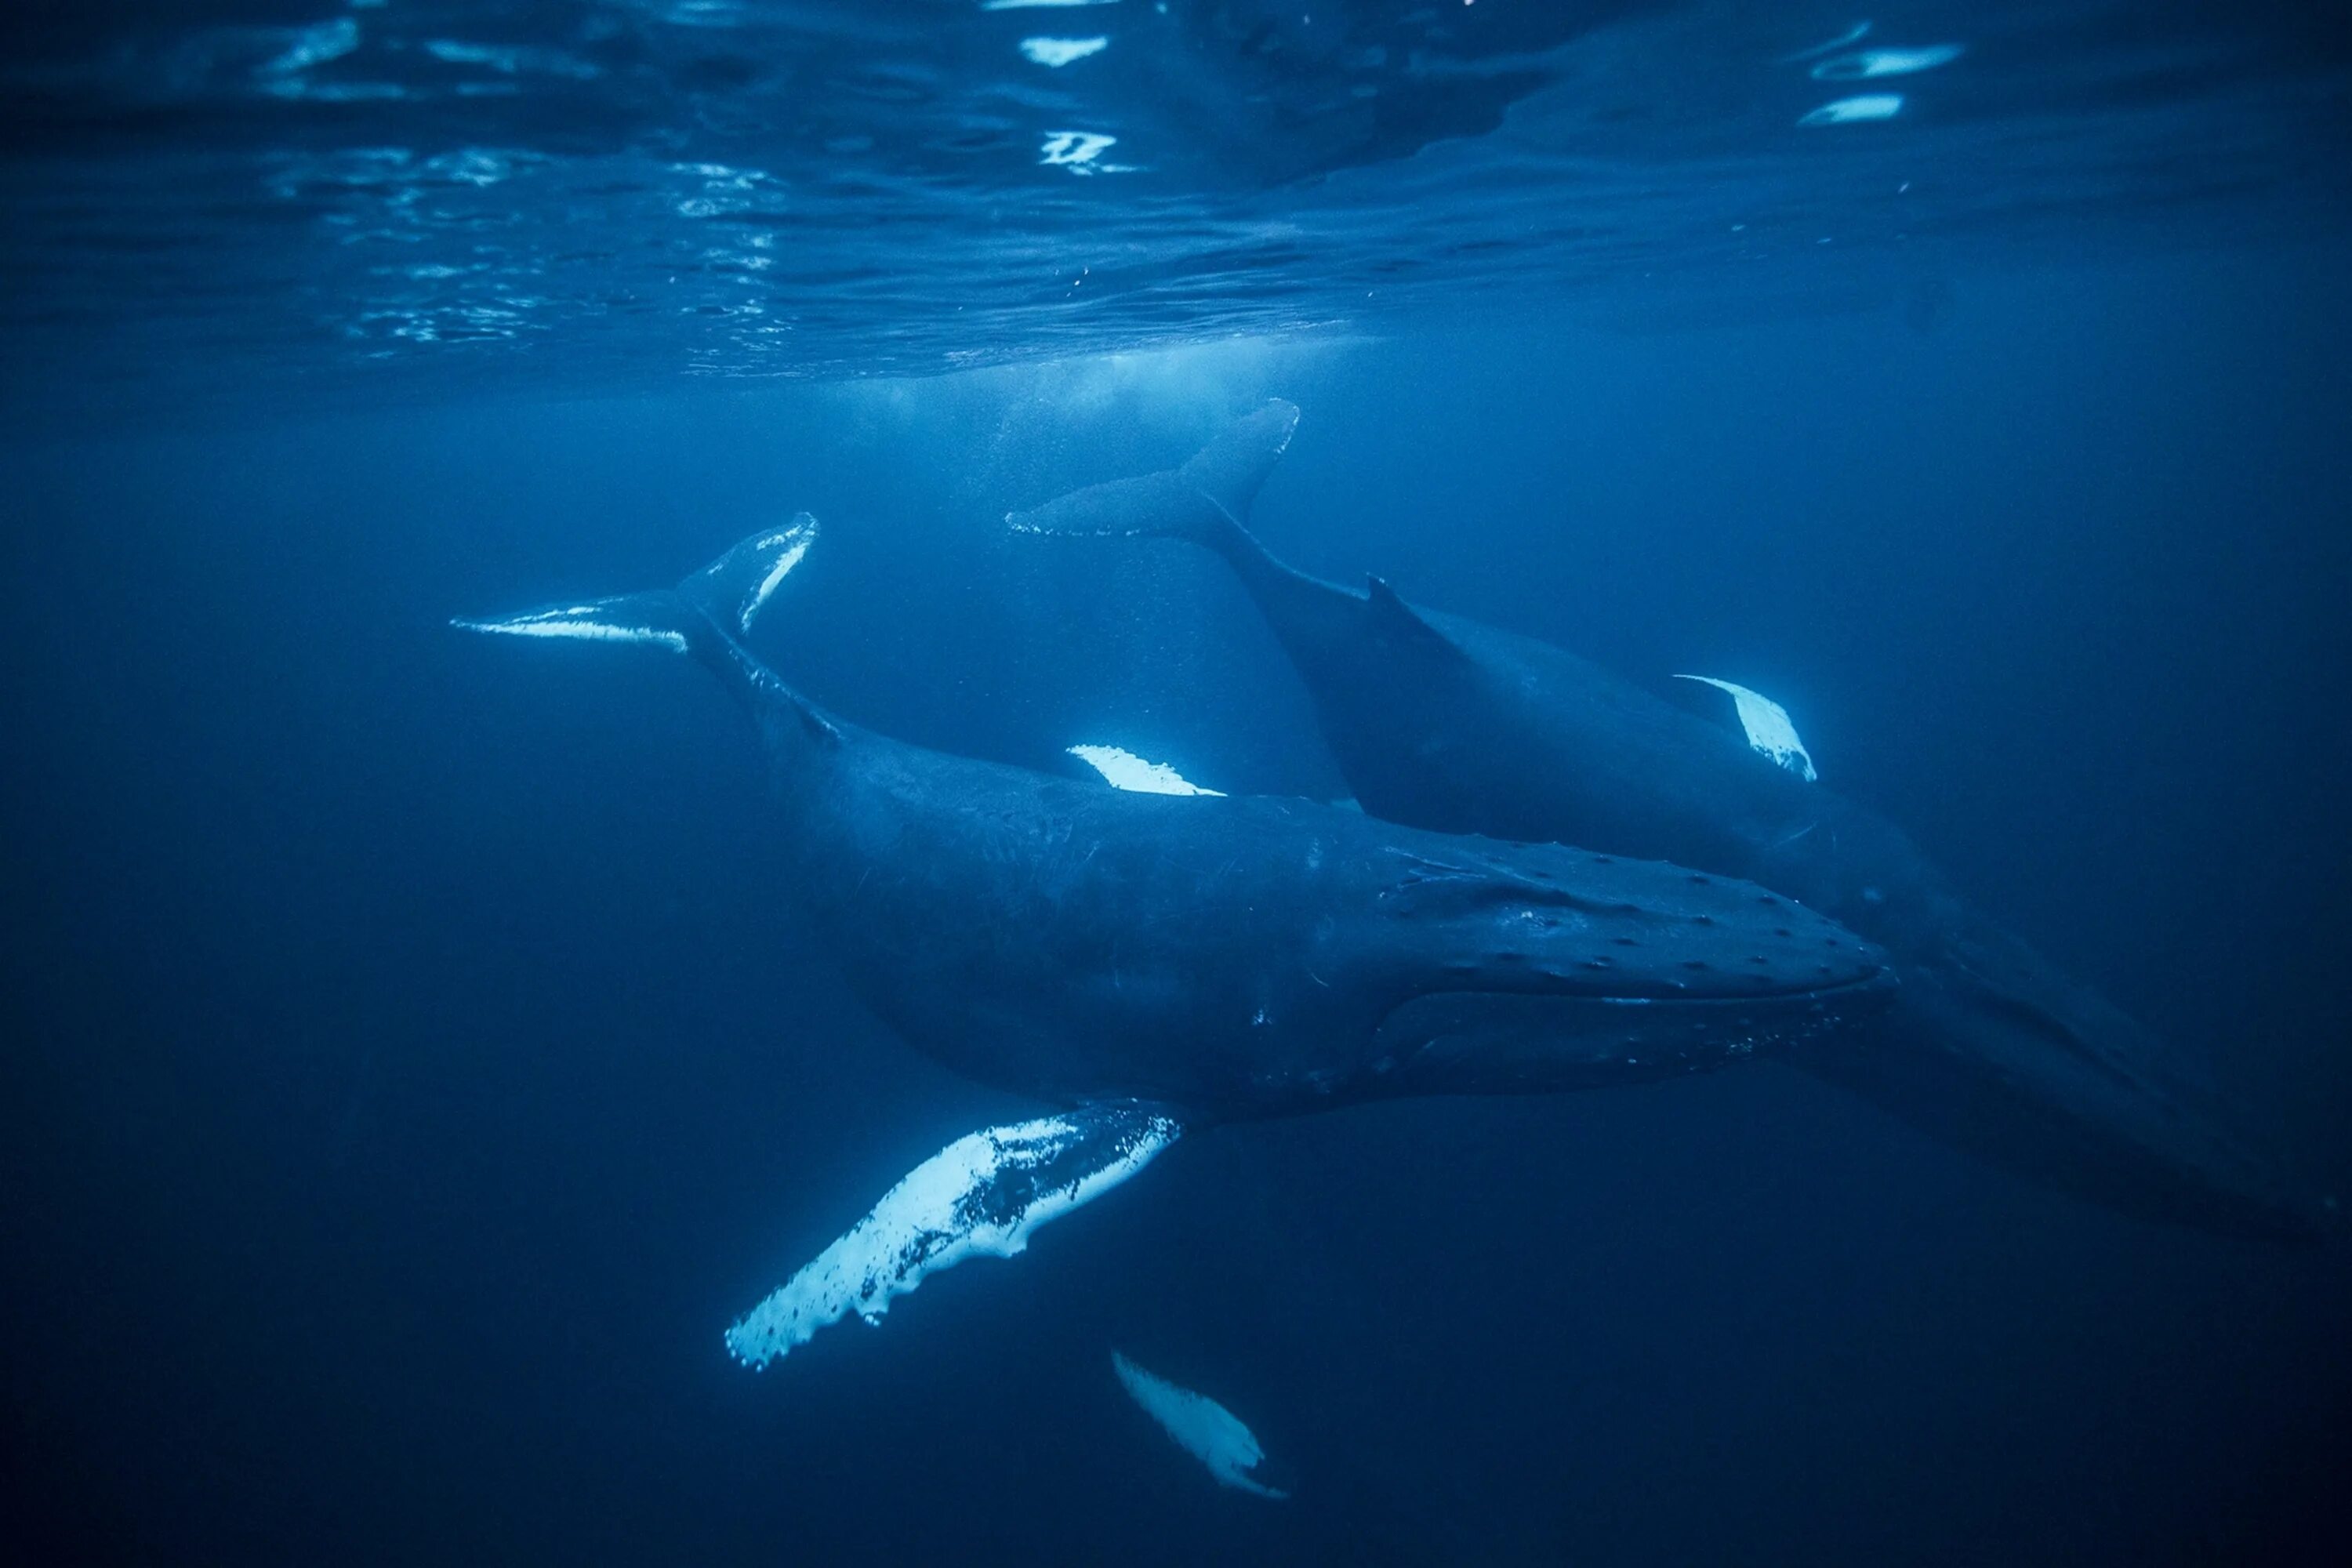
(413, 1065)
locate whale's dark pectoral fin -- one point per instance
(1400, 621)
(1203, 501)
(981, 1195)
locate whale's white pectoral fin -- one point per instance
(1200, 1426)
(1125, 770)
(982, 1195)
(1767, 726)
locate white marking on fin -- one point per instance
(1125, 770)
(1853, 110)
(777, 573)
(1080, 152)
(577, 621)
(1055, 53)
(1200, 1426)
(980, 1196)
(1864, 64)
(1767, 726)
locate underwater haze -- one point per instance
(420, 1047)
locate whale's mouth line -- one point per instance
(1447, 1010)
(1883, 980)
(1879, 983)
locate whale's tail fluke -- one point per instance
(705, 617)
(730, 592)
(1205, 501)
(658, 619)
(734, 589)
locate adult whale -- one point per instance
(1150, 963)
(1441, 722)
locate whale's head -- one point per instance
(1521, 968)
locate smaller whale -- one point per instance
(1200, 1427)
(1148, 963)
(1441, 722)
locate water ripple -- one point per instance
(430, 193)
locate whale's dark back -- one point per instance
(1238, 957)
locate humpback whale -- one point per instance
(1147, 963)
(1441, 722)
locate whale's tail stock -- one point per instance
(1206, 501)
(707, 617)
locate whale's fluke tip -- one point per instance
(650, 618)
(1206, 500)
(734, 589)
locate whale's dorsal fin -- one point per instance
(1399, 621)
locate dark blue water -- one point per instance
(413, 1061)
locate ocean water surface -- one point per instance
(417, 1052)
